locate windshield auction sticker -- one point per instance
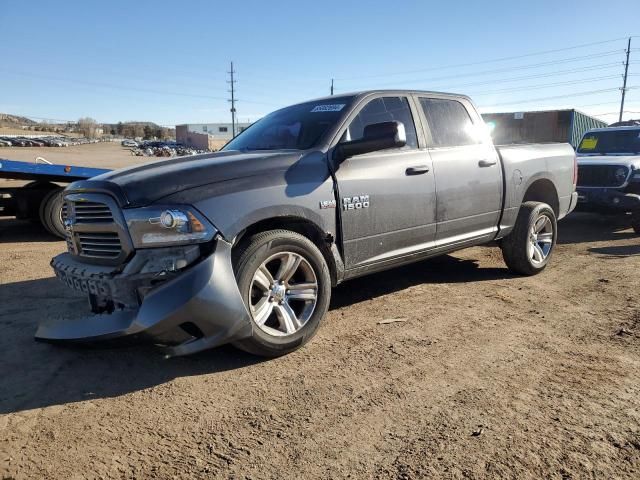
(588, 143)
(336, 107)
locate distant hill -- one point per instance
(8, 120)
(136, 129)
(15, 124)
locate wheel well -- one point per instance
(310, 230)
(543, 190)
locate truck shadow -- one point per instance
(18, 231)
(37, 375)
(444, 269)
(581, 227)
(619, 251)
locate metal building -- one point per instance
(540, 126)
(207, 136)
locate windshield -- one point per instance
(297, 127)
(612, 141)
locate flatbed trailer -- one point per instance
(41, 198)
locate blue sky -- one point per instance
(167, 61)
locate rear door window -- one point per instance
(384, 109)
(449, 123)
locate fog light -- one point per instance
(616, 201)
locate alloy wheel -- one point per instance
(541, 236)
(283, 294)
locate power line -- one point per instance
(508, 69)
(610, 113)
(125, 88)
(546, 85)
(494, 60)
(531, 100)
(602, 66)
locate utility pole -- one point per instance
(624, 84)
(233, 101)
(332, 86)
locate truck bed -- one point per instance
(523, 164)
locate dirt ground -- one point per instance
(487, 376)
(490, 376)
(100, 155)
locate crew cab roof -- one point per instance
(365, 93)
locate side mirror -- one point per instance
(377, 136)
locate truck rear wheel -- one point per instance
(284, 281)
(527, 249)
(51, 212)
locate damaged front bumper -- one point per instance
(188, 310)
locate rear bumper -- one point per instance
(200, 308)
(606, 200)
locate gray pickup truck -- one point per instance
(244, 245)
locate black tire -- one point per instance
(247, 260)
(515, 247)
(635, 222)
(50, 212)
(36, 200)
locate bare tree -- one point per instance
(87, 126)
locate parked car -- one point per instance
(129, 143)
(244, 245)
(609, 172)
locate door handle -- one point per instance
(417, 170)
(486, 163)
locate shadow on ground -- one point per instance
(12, 230)
(620, 251)
(36, 375)
(588, 227)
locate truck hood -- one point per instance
(145, 184)
(627, 160)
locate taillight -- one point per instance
(575, 170)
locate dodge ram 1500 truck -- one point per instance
(609, 172)
(244, 245)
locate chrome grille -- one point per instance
(104, 245)
(91, 229)
(600, 175)
(92, 212)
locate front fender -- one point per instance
(236, 204)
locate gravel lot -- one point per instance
(490, 375)
(100, 155)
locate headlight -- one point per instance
(621, 174)
(160, 226)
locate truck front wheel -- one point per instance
(285, 283)
(527, 249)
